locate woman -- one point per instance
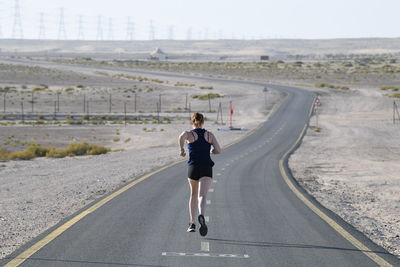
(199, 168)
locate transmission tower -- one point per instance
(151, 31)
(62, 32)
(99, 29)
(206, 33)
(80, 28)
(171, 31)
(110, 29)
(17, 32)
(42, 30)
(220, 35)
(130, 30)
(189, 34)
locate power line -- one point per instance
(62, 32)
(42, 30)
(17, 27)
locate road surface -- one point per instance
(254, 217)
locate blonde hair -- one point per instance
(197, 119)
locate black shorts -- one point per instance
(196, 171)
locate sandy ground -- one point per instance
(35, 195)
(352, 165)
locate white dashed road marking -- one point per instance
(205, 246)
(214, 255)
(207, 218)
(211, 190)
(208, 202)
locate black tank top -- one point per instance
(199, 150)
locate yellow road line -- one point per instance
(354, 241)
(47, 239)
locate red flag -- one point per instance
(231, 108)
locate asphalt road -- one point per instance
(255, 219)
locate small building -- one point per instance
(264, 57)
(158, 54)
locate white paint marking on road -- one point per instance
(211, 190)
(214, 255)
(223, 169)
(207, 218)
(214, 181)
(205, 246)
(208, 202)
(218, 174)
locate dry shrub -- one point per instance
(395, 95)
(74, 149)
(34, 150)
(206, 96)
(3, 154)
(77, 149)
(97, 150)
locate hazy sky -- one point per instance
(205, 19)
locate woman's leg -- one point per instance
(205, 183)
(194, 188)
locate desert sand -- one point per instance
(352, 165)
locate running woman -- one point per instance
(199, 168)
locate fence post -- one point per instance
(394, 106)
(209, 103)
(135, 102)
(190, 117)
(395, 110)
(109, 109)
(32, 101)
(5, 93)
(158, 111)
(160, 101)
(58, 101)
(125, 112)
(22, 112)
(55, 110)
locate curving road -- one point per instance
(255, 219)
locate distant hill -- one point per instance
(201, 50)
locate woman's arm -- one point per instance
(181, 142)
(216, 148)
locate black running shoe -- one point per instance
(203, 227)
(192, 228)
